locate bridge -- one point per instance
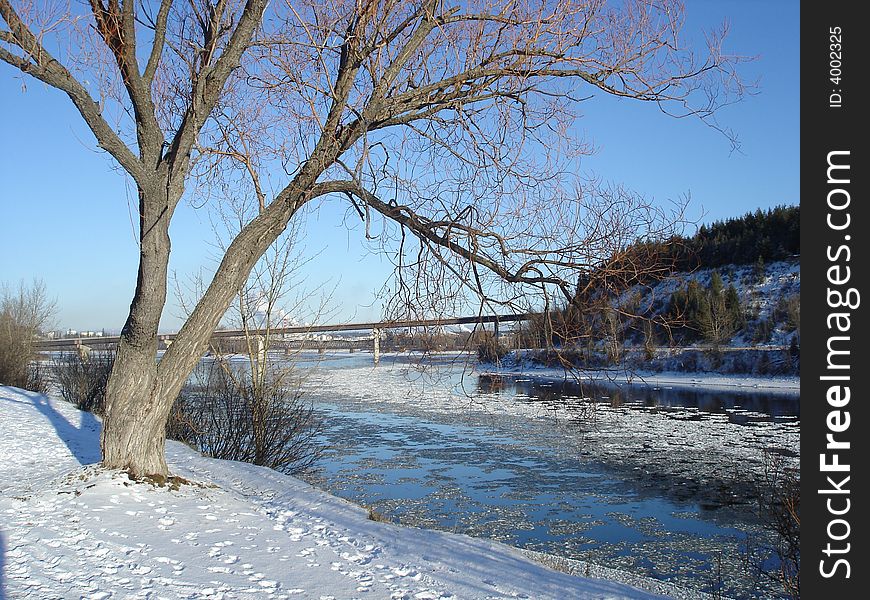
(85, 344)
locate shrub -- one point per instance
(225, 413)
(81, 378)
(779, 502)
(489, 350)
(788, 312)
(762, 332)
(794, 352)
(24, 312)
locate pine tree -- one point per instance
(733, 308)
(759, 269)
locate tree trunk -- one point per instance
(133, 435)
(134, 427)
(141, 391)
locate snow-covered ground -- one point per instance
(69, 529)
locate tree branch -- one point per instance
(209, 82)
(424, 230)
(116, 25)
(159, 42)
(39, 63)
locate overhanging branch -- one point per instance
(426, 232)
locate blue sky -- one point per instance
(66, 213)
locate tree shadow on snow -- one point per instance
(83, 440)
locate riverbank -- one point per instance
(73, 529)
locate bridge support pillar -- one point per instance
(376, 344)
(261, 354)
(84, 351)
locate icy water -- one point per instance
(658, 482)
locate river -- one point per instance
(659, 482)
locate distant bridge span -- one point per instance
(375, 327)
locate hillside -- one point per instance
(759, 334)
(733, 319)
(726, 300)
(735, 283)
(769, 302)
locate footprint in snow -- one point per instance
(406, 572)
(365, 582)
(140, 570)
(220, 570)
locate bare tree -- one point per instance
(449, 120)
(25, 312)
(254, 410)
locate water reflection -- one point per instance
(766, 405)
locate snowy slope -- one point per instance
(758, 295)
(69, 529)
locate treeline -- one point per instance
(760, 236)
(723, 297)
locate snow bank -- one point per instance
(71, 529)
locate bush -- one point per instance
(788, 312)
(35, 379)
(82, 378)
(24, 312)
(794, 353)
(228, 414)
(489, 350)
(762, 332)
(779, 503)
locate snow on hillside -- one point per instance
(758, 295)
(70, 529)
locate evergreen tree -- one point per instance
(759, 268)
(733, 308)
